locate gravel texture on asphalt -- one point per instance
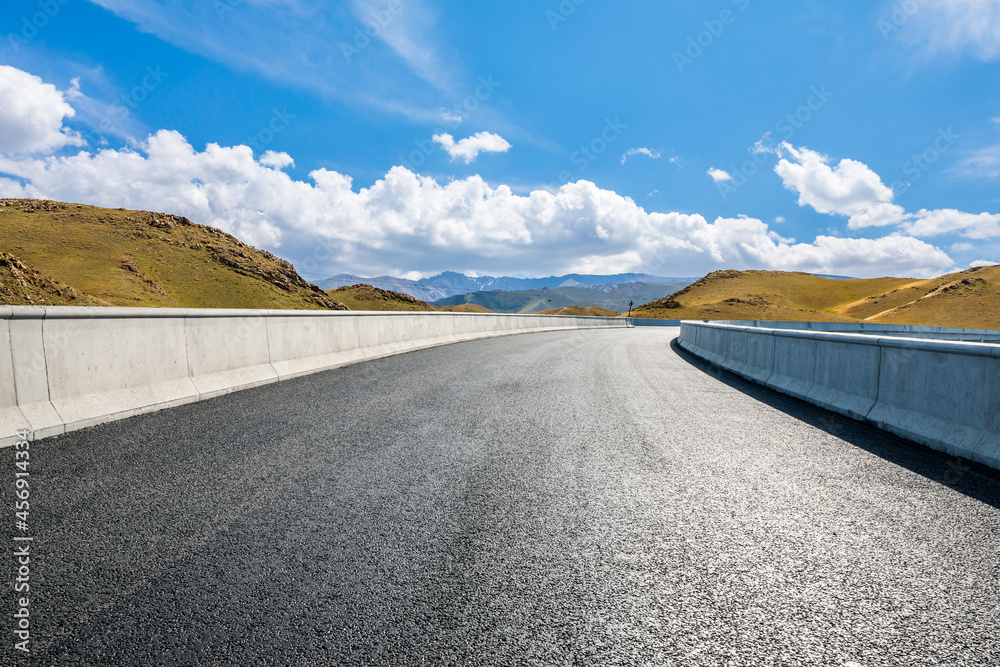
(570, 498)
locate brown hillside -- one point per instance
(766, 295)
(22, 285)
(464, 308)
(366, 297)
(64, 254)
(970, 299)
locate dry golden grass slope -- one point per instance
(464, 308)
(70, 254)
(366, 297)
(581, 311)
(969, 299)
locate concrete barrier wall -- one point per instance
(875, 328)
(943, 394)
(643, 322)
(67, 368)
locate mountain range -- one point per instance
(450, 284)
(609, 296)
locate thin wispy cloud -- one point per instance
(321, 47)
(984, 163)
(948, 27)
(410, 30)
(655, 155)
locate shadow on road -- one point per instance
(967, 477)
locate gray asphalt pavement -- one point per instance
(582, 498)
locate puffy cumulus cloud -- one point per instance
(949, 221)
(469, 148)
(276, 160)
(718, 175)
(981, 263)
(853, 190)
(956, 27)
(747, 243)
(408, 222)
(878, 215)
(847, 189)
(32, 114)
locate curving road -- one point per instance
(583, 498)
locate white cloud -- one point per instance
(74, 89)
(982, 262)
(855, 191)
(32, 114)
(718, 175)
(984, 163)
(648, 152)
(949, 221)
(848, 189)
(878, 215)
(891, 255)
(408, 222)
(961, 247)
(780, 219)
(469, 148)
(409, 29)
(276, 160)
(451, 116)
(954, 27)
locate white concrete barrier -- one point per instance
(943, 394)
(643, 322)
(64, 368)
(877, 329)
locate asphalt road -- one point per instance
(583, 498)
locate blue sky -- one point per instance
(415, 136)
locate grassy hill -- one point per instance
(464, 308)
(69, 254)
(970, 299)
(581, 311)
(20, 285)
(366, 297)
(967, 299)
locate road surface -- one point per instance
(580, 498)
